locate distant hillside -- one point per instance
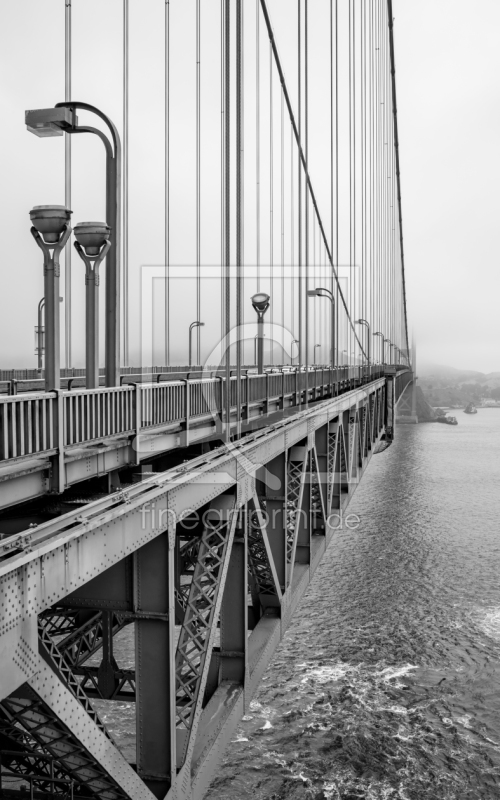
(447, 386)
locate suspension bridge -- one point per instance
(188, 505)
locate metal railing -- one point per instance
(43, 423)
(90, 414)
(27, 424)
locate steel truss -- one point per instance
(209, 562)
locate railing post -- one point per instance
(138, 421)
(187, 411)
(219, 422)
(57, 472)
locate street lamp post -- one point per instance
(255, 344)
(92, 245)
(196, 324)
(388, 341)
(315, 346)
(379, 333)
(294, 341)
(320, 291)
(51, 223)
(367, 326)
(260, 303)
(40, 333)
(55, 121)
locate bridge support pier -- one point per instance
(155, 664)
(276, 514)
(234, 615)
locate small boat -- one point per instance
(470, 408)
(447, 420)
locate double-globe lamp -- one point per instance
(51, 230)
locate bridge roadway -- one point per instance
(50, 441)
(209, 561)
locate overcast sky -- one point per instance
(448, 67)
(448, 79)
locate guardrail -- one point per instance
(44, 423)
(90, 414)
(27, 425)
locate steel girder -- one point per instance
(268, 501)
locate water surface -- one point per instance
(386, 684)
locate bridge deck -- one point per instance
(50, 441)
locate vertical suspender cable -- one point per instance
(354, 252)
(299, 90)
(125, 179)
(239, 207)
(67, 186)
(337, 314)
(351, 276)
(227, 208)
(332, 318)
(222, 175)
(257, 134)
(271, 194)
(363, 312)
(282, 199)
(167, 182)
(306, 132)
(292, 241)
(198, 181)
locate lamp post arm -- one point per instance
(104, 117)
(89, 129)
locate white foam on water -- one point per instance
(266, 726)
(331, 792)
(395, 709)
(391, 673)
(465, 720)
(239, 739)
(327, 673)
(247, 718)
(402, 738)
(490, 623)
(277, 758)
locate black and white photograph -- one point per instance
(249, 400)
